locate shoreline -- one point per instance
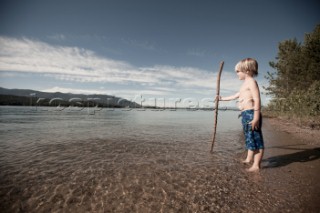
(305, 134)
(291, 164)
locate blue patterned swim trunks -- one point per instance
(254, 139)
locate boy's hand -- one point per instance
(254, 124)
(218, 98)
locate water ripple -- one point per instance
(118, 162)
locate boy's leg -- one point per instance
(257, 161)
(249, 156)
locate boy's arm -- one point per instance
(229, 98)
(254, 88)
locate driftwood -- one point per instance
(216, 105)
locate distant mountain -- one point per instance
(33, 97)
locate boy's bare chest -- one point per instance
(244, 87)
(245, 91)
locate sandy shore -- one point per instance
(297, 130)
(291, 165)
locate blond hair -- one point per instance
(248, 65)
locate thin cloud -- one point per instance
(123, 93)
(146, 45)
(196, 52)
(57, 37)
(84, 37)
(76, 91)
(76, 64)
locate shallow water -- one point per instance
(120, 161)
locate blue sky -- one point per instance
(158, 49)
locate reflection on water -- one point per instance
(119, 161)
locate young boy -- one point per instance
(249, 104)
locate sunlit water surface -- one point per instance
(118, 160)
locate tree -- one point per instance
(295, 82)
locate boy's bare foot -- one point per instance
(245, 162)
(253, 169)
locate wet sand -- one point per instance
(291, 165)
(140, 176)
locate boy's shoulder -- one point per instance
(252, 81)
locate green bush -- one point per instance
(295, 83)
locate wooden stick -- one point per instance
(216, 105)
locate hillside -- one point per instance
(27, 97)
